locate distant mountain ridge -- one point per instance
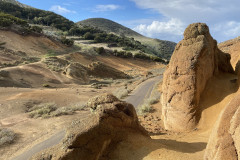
(16, 3)
(162, 48)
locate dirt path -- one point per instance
(143, 91)
(55, 139)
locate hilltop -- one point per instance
(160, 47)
(16, 3)
(109, 26)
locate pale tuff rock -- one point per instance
(224, 142)
(195, 60)
(93, 138)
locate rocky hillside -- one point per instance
(161, 48)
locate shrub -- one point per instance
(154, 98)
(47, 110)
(88, 36)
(36, 29)
(67, 42)
(100, 50)
(145, 108)
(7, 136)
(121, 93)
(42, 110)
(62, 111)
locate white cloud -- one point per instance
(211, 12)
(226, 30)
(60, 10)
(104, 8)
(194, 10)
(173, 28)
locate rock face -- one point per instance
(93, 138)
(224, 142)
(195, 60)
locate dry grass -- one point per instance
(42, 110)
(7, 136)
(154, 98)
(121, 93)
(47, 110)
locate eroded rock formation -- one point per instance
(93, 138)
(195, 60)
(224, 142)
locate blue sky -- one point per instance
(161, 19)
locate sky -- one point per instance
(162, 19)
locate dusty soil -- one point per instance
(64, 91)
(182, 146)
(31, 45)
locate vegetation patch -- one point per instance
(7, 136)
(36, 16)
(47, 110)
(121, 93)
(55, 63)
(154, 98)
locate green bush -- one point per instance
(100, 50)
(36, 29)
(7, 20)
(7, 136)
(88, 36)
(67, 42)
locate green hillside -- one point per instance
(35, 16)
(109, 26)
(16, 3)
(160, 47)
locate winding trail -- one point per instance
(136, 98)
(143, 91)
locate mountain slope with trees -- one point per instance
(160, 47)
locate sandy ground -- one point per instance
(31, 131)
(166, 145)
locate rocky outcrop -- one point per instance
(224, 142)
(195, 60)
(93, 138)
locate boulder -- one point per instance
(224, 141)
(195, 60)
(93, 138)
